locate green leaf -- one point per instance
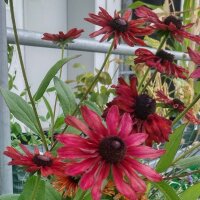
(9, 197)
(192, 193)
(48, 106)
(51, 193)
(50, 75)
(59, 122)
(65, 96)
(34, 189)
(137, 4)
(167, 190)
(20, 109)
(92, 105)
(189, 162)
(171, 149)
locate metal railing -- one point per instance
(30, 38)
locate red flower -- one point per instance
(63, 38)
(161, 61)
(113, 149)
(170, 24)
(118, 26)
(33, 162)
(142, 110)
(195, 57)
(177, 106)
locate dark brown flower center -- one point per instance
(172, 19)
(144, 106)
(119, 24)
(42, 160)
(112, 149)
(165, 56)
(74, 179)
(178, 104)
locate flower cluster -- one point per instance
(111, 151)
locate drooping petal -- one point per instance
(146, 171)
(94, 121)
(194, 55)
(126, 125)
(112, 120)
(195, 73)
(122, 187)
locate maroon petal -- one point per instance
(112, 120)
(194, 55)
(145, 152)
(195, 73)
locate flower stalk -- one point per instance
(25, 77)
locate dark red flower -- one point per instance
(142, 109)
(119, 27)
(106, 151)
(33, 162)
(177, 106)
(195, 57)
(170, 24)
(63, 38)
(161, 61)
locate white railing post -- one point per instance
(6, 185)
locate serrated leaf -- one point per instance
(50, 75)
(189, 162)
(34, 189)
(171, 148)
(167, 190)
(20, 109)
(65, 96)
(192, 193)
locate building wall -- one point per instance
(53, 16)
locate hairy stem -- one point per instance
(25, 77)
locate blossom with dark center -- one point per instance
(177, 106)
(33, 162)
(112, 149)
(119, 27)
(63, 38)
(142, 109)
(195, 57)
(161, 61)
(67, 185)
(170, 24)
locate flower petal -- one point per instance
(112, 120)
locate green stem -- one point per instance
(35, 188)
(186, 153)
(144, 77)
(25, 77)
(55, 104)
(186, 110)
(182, 175)
(89, 89)
(149, 81)
(154, 75)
